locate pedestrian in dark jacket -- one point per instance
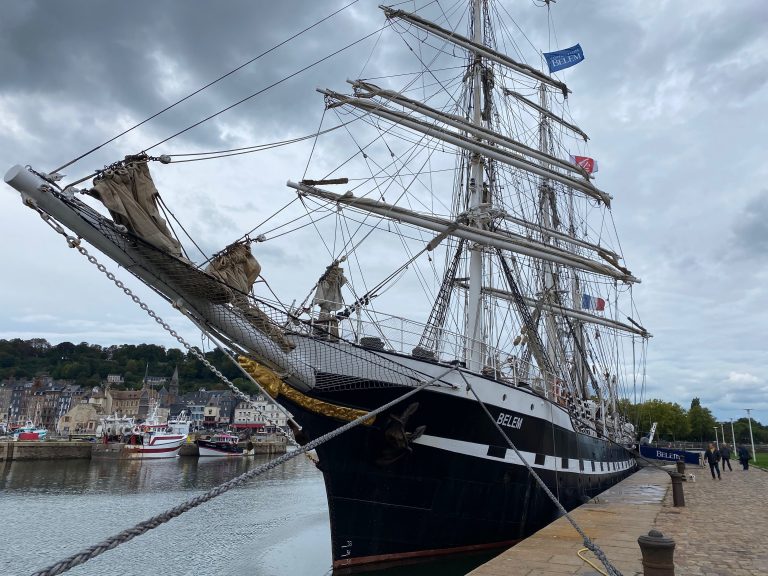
(744, 457)
(725, 454)
(712, 456)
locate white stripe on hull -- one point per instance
(160, 447)
(219, 453)
(552, 463)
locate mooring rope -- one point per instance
(147, 525)
(594, 548)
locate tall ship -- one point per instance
(448, 238)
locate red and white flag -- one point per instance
(589, 164)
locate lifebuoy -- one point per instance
(136, 430)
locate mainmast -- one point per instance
(548, 218)
(477, 206)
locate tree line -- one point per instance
(697, 424)
(89, 364)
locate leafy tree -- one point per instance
(671, 419)
(701, 422)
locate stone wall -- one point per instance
(47, 450)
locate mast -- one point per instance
(547, 216)
(474, 314)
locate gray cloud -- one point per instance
(671, 97)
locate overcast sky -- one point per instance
(673, 95)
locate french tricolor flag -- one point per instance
(592, 303)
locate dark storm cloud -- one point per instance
(672, 95)
(136, 58)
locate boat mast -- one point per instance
(547, 218)
(474, 317)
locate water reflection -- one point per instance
(275, 525)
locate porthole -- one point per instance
(531, 406)
(504, 397)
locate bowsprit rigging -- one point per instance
(465, 213)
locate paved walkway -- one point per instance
(613, 520)
(722, 530)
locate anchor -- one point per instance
(397, 440)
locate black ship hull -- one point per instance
(457, 487)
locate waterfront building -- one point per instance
(82, 418)
(124, 402)
(5, 402)
(211, 416)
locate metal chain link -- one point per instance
(75, 243)
(155, 521)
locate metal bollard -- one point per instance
(681, 469)
(678, 499)
(658, 554)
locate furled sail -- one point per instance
(328, 297)
(328, 294)
(129, 194)
(237, 267)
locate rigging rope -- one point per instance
(594, 548)
(276, 83)
(275, 47)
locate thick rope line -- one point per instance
(612, 570)
(147, 525)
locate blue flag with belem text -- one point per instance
(564, 58)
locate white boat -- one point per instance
(30, 432)
(115, 428)
(221, 445)
(155, 439)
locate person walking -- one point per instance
(712, 456)
(725, 455)
(744, 457)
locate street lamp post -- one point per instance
(733, 436)
(717, 444)
(722, 433)
(751, 438)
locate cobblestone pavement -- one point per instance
(721, 531)
(723, 528)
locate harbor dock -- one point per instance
(50, 450)
(720, 530)
(80, 449)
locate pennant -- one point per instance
(592, 303)
(589, 164)
(564, 58)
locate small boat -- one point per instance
(30, 432)
(223, 444)
(154, 439)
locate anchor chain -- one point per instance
(147, 525)
(76, 243)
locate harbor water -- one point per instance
(275, 525)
